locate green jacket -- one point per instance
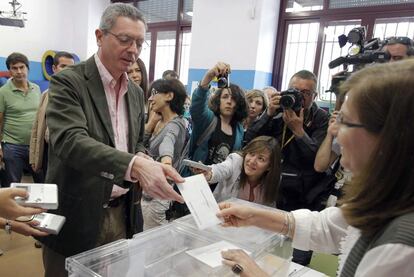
(83, 161)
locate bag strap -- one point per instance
(210, 129)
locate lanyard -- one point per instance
(283, 136)
(290, 139)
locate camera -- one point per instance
(360, 52)
(291, 99)
(223, 81)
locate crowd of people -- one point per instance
(114, 143)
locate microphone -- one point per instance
(337, 62)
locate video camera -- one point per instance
(359, 53)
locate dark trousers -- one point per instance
(302, 257)
(113, 228)
(16, 159)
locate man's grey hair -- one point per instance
(305, 75)
(273, 89)
(113, 11)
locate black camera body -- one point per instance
(291, 99)
(361, 52)
(223, 81)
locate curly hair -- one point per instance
(238, 95)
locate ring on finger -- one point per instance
(237, 269)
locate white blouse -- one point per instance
(328, 232)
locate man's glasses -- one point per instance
(340, 120)
(307, 92)
(127, 41)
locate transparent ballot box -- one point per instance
(163, 251)
(158, 252)
(249, 237)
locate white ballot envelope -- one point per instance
(211, 254)
(43, 196)
(200, 201)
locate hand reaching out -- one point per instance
(220, 68)
(27, 229)
(237, 256)
(236, 215)
(152, 177)
(10, 209)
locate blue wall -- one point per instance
(35, 73)
(247, 79)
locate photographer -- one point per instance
(300, 133)
(217, 120)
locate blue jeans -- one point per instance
(16, 159)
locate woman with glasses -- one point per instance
(164, 139)
(373, 229)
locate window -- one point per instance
(389, 27)
(300, 49)
(331, 51)
(308, 33)
(145, 52)
(303, 5)
(337, 4)
(168, 37)
(164, 59)
(185, 57)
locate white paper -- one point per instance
(211, 254)
(296, 270)
(200, 201)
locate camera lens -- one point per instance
(222, 82)
(287, 101)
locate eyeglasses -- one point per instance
(154, 92)
(127, 41)
(307, 92)
(340, 120)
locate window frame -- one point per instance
(179, 26)
(367, 15)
